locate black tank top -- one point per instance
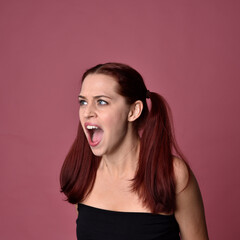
(98, 224)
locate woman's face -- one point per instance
(103, 113)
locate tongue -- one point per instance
(97, 135)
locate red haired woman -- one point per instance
(124, 170)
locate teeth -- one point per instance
(91, 127)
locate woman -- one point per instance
(124, 170)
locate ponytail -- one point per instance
(154, 180)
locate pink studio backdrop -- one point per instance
(186, 50)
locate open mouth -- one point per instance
(95, 134)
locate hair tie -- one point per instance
(148, 94)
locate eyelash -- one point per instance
(82, 102)
(100, 102)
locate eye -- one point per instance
(82, 102)
(102, 102)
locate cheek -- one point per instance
(117, 121)
(80, 114)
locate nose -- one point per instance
(89, 111)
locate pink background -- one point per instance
(186, 50)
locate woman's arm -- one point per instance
(189, 205)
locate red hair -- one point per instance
(154, 181)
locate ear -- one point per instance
(135, 111)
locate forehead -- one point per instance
(99, 83)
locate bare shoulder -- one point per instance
(181, 173)
(189, 210)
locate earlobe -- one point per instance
(135, 111)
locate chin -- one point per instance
(97, 153)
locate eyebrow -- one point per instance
(95, 97)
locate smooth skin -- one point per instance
(112, 188)
(189, 211)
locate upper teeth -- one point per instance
(91, 127)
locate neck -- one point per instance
(122, 163)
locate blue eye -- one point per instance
(102, 102)
(82, 102)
